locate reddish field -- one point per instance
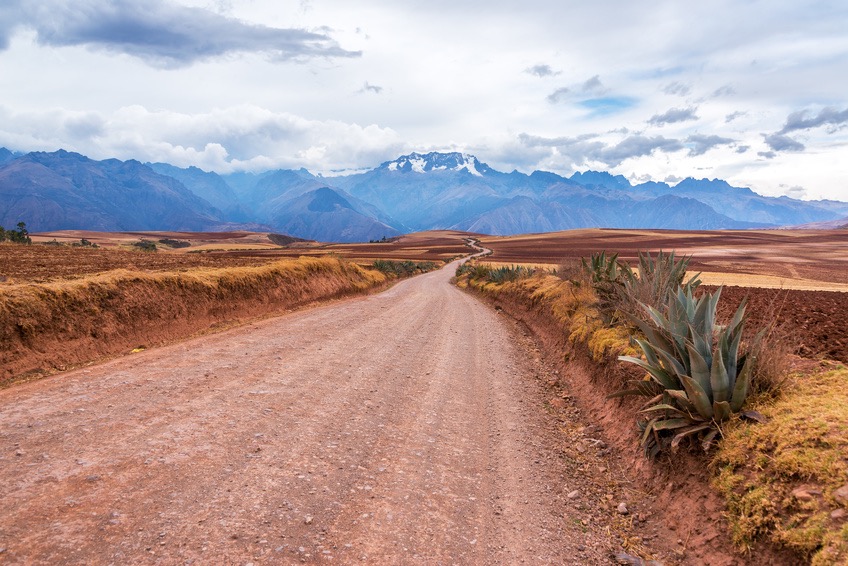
(820, 255)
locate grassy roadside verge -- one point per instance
(47, 327)
(780, 489)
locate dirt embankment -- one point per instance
(47, 327)
(683, 509)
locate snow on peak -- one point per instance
(454, 161)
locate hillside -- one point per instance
(65, 190)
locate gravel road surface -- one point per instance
(407, 427)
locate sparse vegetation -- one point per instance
(786, 481)
(83, 243)
(402, 268)
(497, 275)
(19, 236)
(144, 245)
(171, 243)
(56, 323)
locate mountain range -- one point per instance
(65, 190)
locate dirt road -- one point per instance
(404, 427)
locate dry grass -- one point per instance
(573, 305)
(781, 479)
(44, 326)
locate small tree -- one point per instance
(20, 236)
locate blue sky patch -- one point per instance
(606, 105)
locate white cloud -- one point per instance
(159, 32)
(243, 137)
(226, 91)
(672, 116)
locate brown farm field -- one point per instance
(732, 257)
(42, 263)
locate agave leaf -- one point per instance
(654, 336)
(700, 316)
(655, 399)
(649, 428)
(697, 396)
(707, 442)
(659, 320)
(671, 424)
(648, 349)
(739, 316)
(657, 372)
(703, 344)
(732, 358)
(671, 362)
(678, 322)
(675, 442)
(680, 397)
(754, 416)
(624, 393)
(709, 318)
(639, 388)
(665, 407)
(721, 410)
(694, 282)
(700, 371)
(743, 383)
(718, 376)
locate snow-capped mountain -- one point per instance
(434, 161)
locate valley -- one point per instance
(332, 418)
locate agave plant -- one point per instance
(696, 377)
(623, 291)
(607, 276)
(606, 269)
(658, 278)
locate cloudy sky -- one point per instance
(751, 91)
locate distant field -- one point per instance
(798, 259)
(42, 263)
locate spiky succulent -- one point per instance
(696, 377)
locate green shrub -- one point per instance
(511, 273)
(491, 274)
(403, 268)
(175, 243)
(145, 246)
